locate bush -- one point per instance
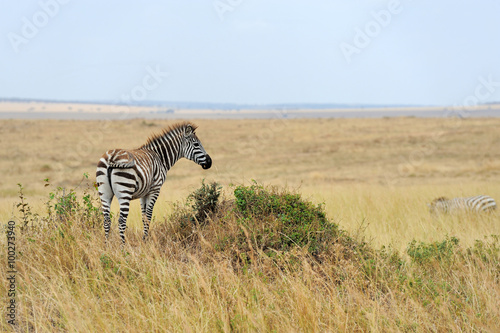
(279, 220)
(258, 224)
(63, 207)
(423, 253)
(66, 204)
(199, 205)
(204, 200)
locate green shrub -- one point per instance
(204, 200)
(279, 220)
(66, 203)
(63, 207)
(423, 253)
(199, 205)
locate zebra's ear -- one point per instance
(188, 130)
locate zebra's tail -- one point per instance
(109, 170)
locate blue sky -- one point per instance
(252, 51)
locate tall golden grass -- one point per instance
(374, 177)
(182, 279)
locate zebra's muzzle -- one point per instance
(208, 163)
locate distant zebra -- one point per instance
(140, 173)
(480, 203)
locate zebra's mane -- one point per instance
(440, 199)
(174, 130)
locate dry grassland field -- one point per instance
(373, 177)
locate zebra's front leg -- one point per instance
(147, 205)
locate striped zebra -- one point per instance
(477, 204)
(140, 173)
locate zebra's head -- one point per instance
(438, 205)
(193, 149)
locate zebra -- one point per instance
(477, 204)
(140, 173)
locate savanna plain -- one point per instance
(375, 261)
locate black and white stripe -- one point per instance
(140, 173)
(480, 203)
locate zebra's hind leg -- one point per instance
(122, 221)
(147, 204)
(107, 224)
(106, 200)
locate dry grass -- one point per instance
(375, 177)
(381, 171)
